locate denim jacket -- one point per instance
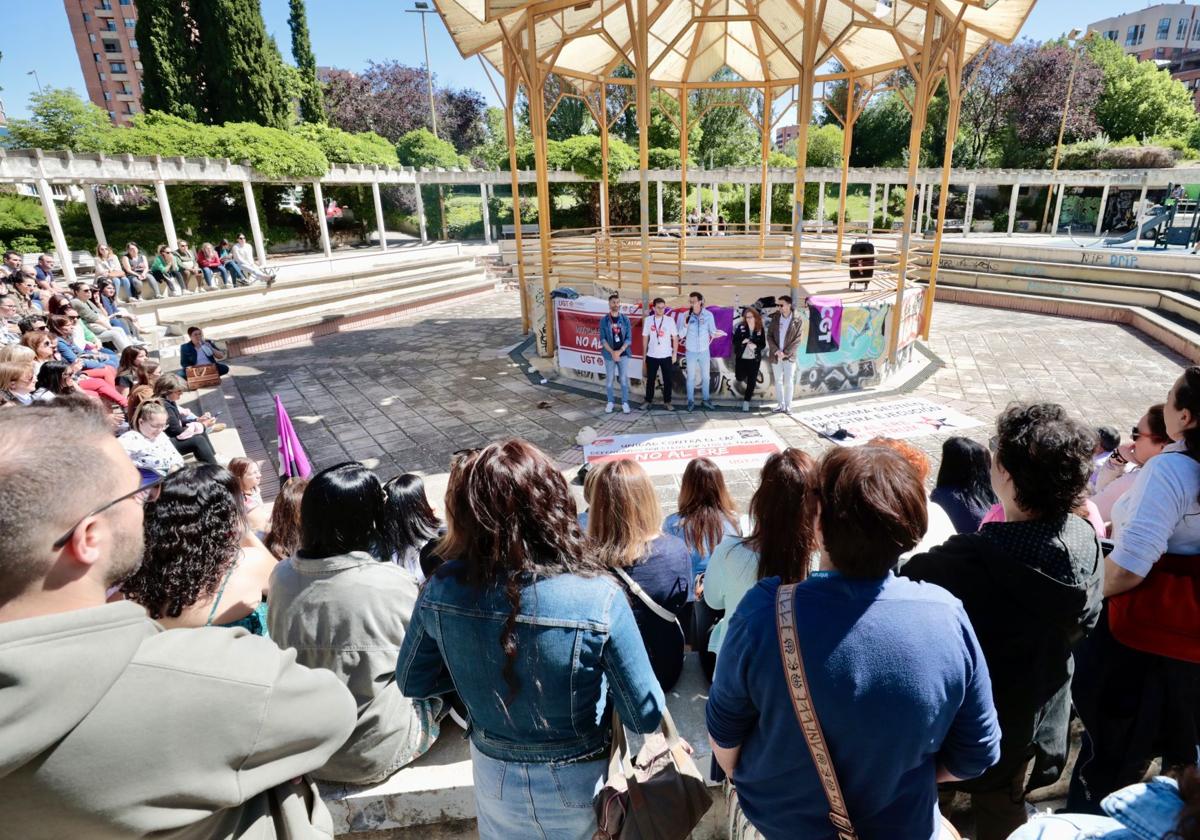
(606, 335)
(577, 642)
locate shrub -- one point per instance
(1000, 220)
(29, 244)
(1137, 157)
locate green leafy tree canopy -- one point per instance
(61, 120)
(419, 148)
(1139, 100)
(312, 103)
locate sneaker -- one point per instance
(646, 406)
(668, 407)
(777, 410)
(625, 408)
(708, 406)
(457, 717)
(788, 411)
(691, 408)
(745, 405)
(608, 409)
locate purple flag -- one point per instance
(293, 463)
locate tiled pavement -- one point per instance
(404, 397)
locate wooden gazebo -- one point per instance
(774, 46)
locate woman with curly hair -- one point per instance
(524, 622)
(197, 569)
(283, 533)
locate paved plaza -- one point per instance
(405, 396)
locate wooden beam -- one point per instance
(813, 12)
(852, 112)
(510, 96)
(537, 121)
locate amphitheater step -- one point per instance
(1042, 269)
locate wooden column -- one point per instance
(803, 117)
(851, 116)
(642, 71)
(604, 158)
(684, 125)
(919, 112)
(764, 189)
(954, 71)
(537, 118)
(510, 95)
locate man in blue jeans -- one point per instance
(699, 328)
(615, 332)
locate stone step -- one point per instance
(1051, 270)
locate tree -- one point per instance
(343, 147)
(983, 115)
(728, 135)
(389, 98)
(824, 146)
(461, 117)
(1037, 93)
(1139, 100)
(881, 132)
(60, 120)
(664, 117)
(244, 70)
(420, 148)
(171, 80)
(312, 106)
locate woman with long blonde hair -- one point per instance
(654, 568)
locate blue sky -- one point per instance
(350, 33)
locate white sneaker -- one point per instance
(608, 409)
(745, 405)
(625, 408)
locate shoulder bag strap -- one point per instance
(806, 714)
(640, 594)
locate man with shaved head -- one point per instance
(109, 725)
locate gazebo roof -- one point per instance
(691, 40)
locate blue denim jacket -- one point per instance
(577, 641)
(606, 334)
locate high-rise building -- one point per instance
(1162, 32)
(108, 54)
(785, 134)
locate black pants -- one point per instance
(653, 366)
(703, 619)
(198, 445)
(746, 370)
(1135, 706)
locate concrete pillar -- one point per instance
(1057, 209)
(487, 215)
(658, 187)
(886, 187)
(421, 213)
(871, 208)
(381, 225)
(164, 207)
(746, 207)
(62, 252)
(319, 198)
(1100, 213)
(922, 198)
(1012, 208)
(699, 200)
(969, 215)
(820, 206)
(770, 188)
(89, 196)
(1139, 216)
(255, 228)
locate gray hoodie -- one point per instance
(111, 727)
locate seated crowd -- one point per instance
(941, 645)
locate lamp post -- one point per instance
(1062, 126)
(36, 80)
(421, 7)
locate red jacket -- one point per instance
(208, 262)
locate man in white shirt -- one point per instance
(662, 346)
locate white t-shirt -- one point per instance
(658, 333)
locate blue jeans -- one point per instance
(611, 367)
(697, 371)
(121, 281)
(1072, 827)
(551, 801)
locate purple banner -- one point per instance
(721, 347)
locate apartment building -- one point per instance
(103, 31)
(1163, 32)
(785, 134)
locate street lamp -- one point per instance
(420, 7)
(35, 79)
(1078, 44)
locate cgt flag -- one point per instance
(293, 463)
(824, 324)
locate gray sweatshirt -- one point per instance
(350, 614)
(111, 727)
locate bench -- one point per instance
(507, 231)
(436, 790)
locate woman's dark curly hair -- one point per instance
(512, 520)
(193, 532)
(1048, 454)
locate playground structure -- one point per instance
(774, 48)
(1164, 224)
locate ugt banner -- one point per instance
(577, 328)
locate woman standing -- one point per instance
(706, 516)
(345, 611)
(888, 668)
(410, 527)
(964, 483)
(1137, 676)
(197, 570)
(781, 541)
(749, 343)
(654, 568)
(522, 620)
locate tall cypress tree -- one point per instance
(312, 102)
(171, 77)
(245, 81)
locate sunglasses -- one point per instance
(143, 494)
